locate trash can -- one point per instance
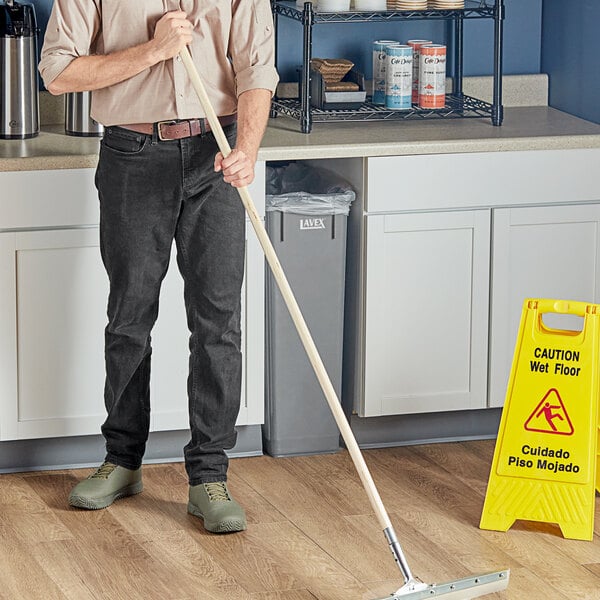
(306, 216)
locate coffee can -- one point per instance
(379, 70)
(416, 46)
(432, 76)
(398, 76)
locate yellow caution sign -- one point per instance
(545, 461)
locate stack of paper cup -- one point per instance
(406, 4)
(300, 4)
(333, 6)
(446, 4)
(370, 5)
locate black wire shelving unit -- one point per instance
(458, 104)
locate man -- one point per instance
(161, 178)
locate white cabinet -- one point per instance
(539, 252)
(53, 294)
(429, 237)
(427, 282)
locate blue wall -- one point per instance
(42, 11)
(521, 39)
(570, 53)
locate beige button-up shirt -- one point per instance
(233, 48)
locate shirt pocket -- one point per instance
(129, 23)
(262, 13)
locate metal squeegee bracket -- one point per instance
(460, 589)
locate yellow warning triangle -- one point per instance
(545, 462)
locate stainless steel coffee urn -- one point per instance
(77, 116)
(19, 106)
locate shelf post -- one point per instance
(307, 21)
(497, 107)
(457, 84)
(273, 112)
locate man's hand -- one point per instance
(237, 168)
(172, 33)
(253, 114)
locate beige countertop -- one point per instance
(524, 128)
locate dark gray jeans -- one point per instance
(152, 192)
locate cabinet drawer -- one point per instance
(481, 179)
(65, 198)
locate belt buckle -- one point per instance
(159, 125)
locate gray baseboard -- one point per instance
(86, 451)
(400, 430)
(396, 430)
(167, 446)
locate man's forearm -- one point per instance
(253, 115)
(85, 73)
(88, 73)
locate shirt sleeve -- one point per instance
(252, 46)
(72, 31)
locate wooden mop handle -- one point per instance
(292, 304)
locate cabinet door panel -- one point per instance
(53, 292)
(60, 313)
(426, 312)
(542, 252)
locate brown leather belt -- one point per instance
(176, 130)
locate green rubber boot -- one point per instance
(107, 484)
(213, 503)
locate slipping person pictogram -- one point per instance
(550, 409)
(546, 410)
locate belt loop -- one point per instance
(154, 134)
(202, 126)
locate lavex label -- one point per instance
(544, 466)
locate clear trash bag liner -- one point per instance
(299, 188)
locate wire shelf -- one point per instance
(473, 10)
(458, 107)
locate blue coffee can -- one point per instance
(398, 76)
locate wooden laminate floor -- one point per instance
(311, 535)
